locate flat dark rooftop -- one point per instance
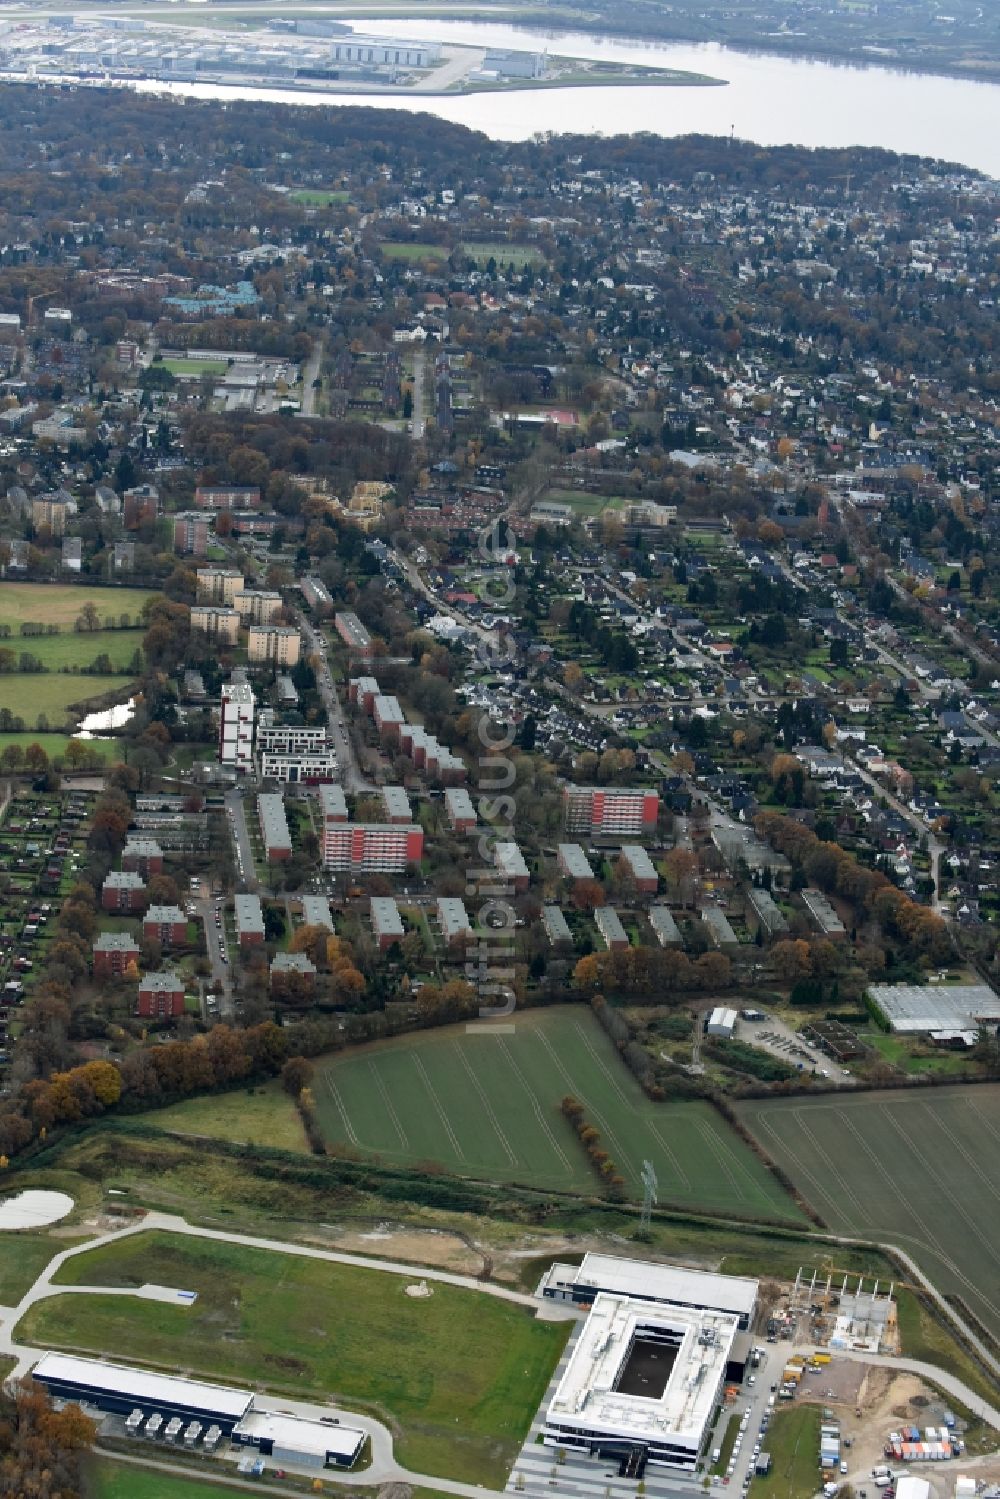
(646, 1370)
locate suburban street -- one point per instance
(351, 777)
(419, 421)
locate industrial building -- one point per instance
(721, 1023)
(936, 1009)
(644, 1280)
(609, 811)
(167, 1405)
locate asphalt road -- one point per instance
(351, 776)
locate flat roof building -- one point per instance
(115, 1387)
(647, 1280)
(217, 622)
(278, 643)
(511, 866)
(641, 868)
(608, 924)
(459, 809)
(719, 930)
(353, 633)
(396, 804)
(332, 804)
(556, 926)
(453, 919)
(822, 914)
(914, 1008)
(721, 1023)
(387, 924)
(249, 919)
(316, 911)
(294, 1439)
(388, 715)
(610, 810)
(665, 928)
(276, 838)
(770, 916)
(573, 862)
(642, 1376)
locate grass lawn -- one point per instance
(486, 1105)
(459, 1373)
(793, 1442)
(28, 695)
(61, 603)
(923, 1337)
(263, 1116)
(55, 744)
(192, 368)
(504, 254)
(23, 1257)
(393, 250)
(106, 1479)
(871, 1163)
(76, 648)
(319, 197)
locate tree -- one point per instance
(296, 1074)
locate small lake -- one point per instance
(109, 718)
(771, 99)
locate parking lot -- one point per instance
(778, 1038)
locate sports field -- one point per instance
(406, 250)
(486, 1105)
(458, 1374)
(51, 693)
(917, 1170)
(61, 604)
(191, 369)
(503, 254)
(319, 197)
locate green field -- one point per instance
(487, 1105)
(192, 368)
(319, 197)
(393, 250)
(517, 255)
(61, 603)
(459, 1374)
(912, 1169)
(107, 1479)
(263, 1116)
(54, 745)
(79, 648)
(793, 1442)
(29, 695)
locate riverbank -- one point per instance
(932, 57)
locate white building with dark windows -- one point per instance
(236, 719)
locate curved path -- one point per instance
(383, 1468)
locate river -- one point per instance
(771, 99)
